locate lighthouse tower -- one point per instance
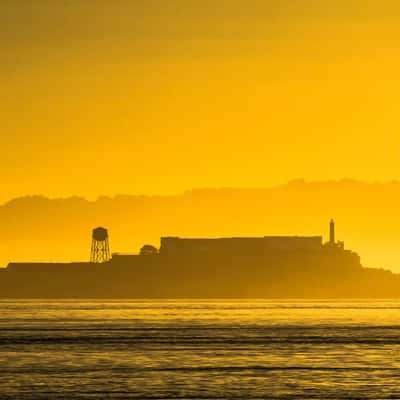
(332, 241)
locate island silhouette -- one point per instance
(36, 228)
(233, 267)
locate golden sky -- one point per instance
(155, 96)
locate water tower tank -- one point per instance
(100, 234)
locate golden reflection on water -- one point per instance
(251, 349)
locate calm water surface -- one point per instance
(199, 349)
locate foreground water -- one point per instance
(199, 349)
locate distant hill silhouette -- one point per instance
(36, 228)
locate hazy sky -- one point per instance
(156, 96)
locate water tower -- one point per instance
(100, 247)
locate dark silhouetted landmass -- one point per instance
(241, 267)
(41, 229)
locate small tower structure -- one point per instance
(332, 233)
(100, 252)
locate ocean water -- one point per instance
(199, 349)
